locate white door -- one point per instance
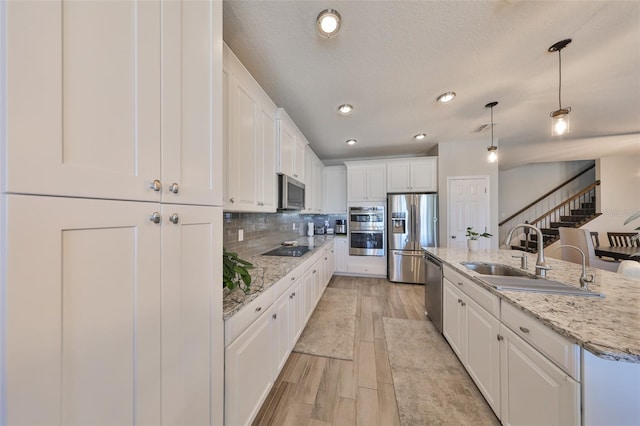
(84, 103)
(454, 319)
(191, 102)
(82, 298)
(192, 334)
(267, 186)
(281, 323)
(468, 206)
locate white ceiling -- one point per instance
(391, 60)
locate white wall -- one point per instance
(521, 185)
(619, 194)
(466, 159)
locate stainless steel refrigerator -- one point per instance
(412, 224)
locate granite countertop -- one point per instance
(268, 270)
(608, 327)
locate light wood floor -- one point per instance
(314, 390)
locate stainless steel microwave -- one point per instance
(290, 193)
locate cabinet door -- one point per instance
(310, 183)
(84, 105)
(296, 310)
(82, 298)
(249, 371)
(281, 323)
(286, 145)
(342, 253)
(356, 181)
(534, 391)
(299, 158)
(377, 182)
(398, 176)
(192, 336)
(191, 102)
(454, 319)
(483, 352)
(424, 175)
(334, 190)
(318, 185)
(243, 161)
(267, 183)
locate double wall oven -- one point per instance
(366, 231)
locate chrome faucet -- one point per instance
(541, 265)
(584, 279)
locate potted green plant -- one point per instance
(235, 272)
(472, 241)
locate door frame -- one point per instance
(487, 180)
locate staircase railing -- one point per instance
(576, 202)
(543, 204)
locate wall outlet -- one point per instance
(294, 226)
(240, 234)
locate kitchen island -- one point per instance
(608, 327)
(541, 358)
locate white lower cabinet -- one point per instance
(472, 333)
(118, 314)
(249, 362)
(341, 249)
(262, 334)
(534, 390)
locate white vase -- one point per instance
(473, 245)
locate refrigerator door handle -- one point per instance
(407, 253)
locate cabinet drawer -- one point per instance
(285, 282)
(482, 297)
(558, 349)
(247, 315)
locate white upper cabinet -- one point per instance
(335, 190)
(120, 114)
(412, 175)
(313, 183)
(250, 141)
(366, 181)
(291, 148)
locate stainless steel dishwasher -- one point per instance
(433, 290)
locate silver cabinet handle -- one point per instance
(275, 316)
(174, 218)
(459, 300)
(291, 295)
(463, 303)
(155, 217)
(500, 338)
(231, 200)
(524, 329)
(293, 278)
(460, 283)
(174, 188)
(314, 271)
(155, 185)
(259, 308)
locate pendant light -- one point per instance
(493, 155)
(560, 117)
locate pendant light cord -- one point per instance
(559, 79)
(491, 126)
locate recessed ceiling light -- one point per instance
(345, 109)
(420, 136)
(328, 23)
(351, 142)
(446, 97)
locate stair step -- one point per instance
(591, 206)
(582, 212)
(550, 231)
(573, 218)
(563, 224)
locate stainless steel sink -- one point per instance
(537, 286)
(496, 269)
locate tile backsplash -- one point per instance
(263, 231)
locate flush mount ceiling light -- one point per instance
(328, 23)
(560, 117)
(446, 97)
(351, 141)
(345, 109)
(493, 155)
(420, 136)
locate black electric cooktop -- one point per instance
(290, 251)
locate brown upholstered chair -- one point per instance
(623, 239)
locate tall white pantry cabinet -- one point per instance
(111, 212)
